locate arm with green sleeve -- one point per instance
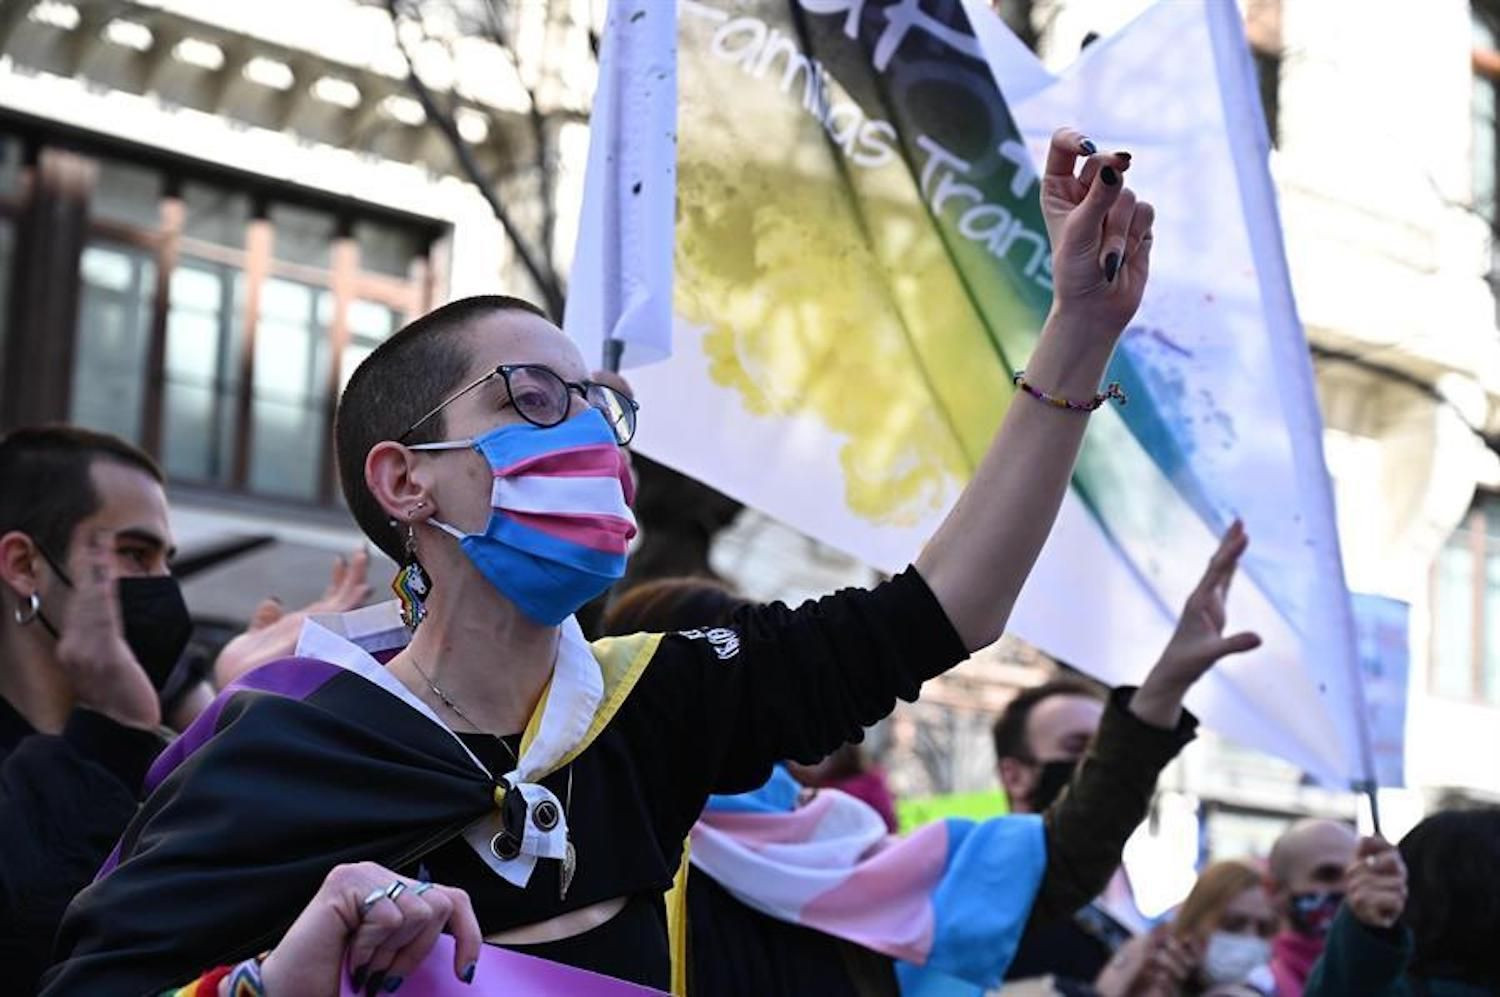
(1362, 959)
(1143, 729)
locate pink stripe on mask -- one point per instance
(591, 461)
(608, 534)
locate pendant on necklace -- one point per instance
(569, 866)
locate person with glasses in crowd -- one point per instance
(500, 753)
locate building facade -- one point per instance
(209, 213)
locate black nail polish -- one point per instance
(1088, 147)
(1109, 176)
(1122, 154)
(1111, 266)
(358, 976)
(468, 974)
(377, 980)
(392, 984)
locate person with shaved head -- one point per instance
(499, 751)
(1308, 865)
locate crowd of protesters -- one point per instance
(346, 787)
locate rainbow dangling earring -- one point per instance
(411, 584)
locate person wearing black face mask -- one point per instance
(1040, 739)
(153, 617)
(91, 625)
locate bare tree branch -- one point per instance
(538, 265)
(540, 133)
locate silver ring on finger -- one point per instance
(395, 890)
(421, 888)
(373, 898)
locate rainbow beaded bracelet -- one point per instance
(1112, 391)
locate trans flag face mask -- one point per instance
(560, 520)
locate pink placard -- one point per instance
(504, 972)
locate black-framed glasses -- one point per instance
(543, 398)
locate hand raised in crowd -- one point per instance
(1100, 232)
(273, 631)
(1376, 884)
(384, 931)
(347, 589)
(1157, 964)
(1198, 642)
(102, 669)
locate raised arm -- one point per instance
(1101, 252)
(1142, 731)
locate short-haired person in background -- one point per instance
(1307, 865)
(91, 625)
(1039, 738)
(1422, 920)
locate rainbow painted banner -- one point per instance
(860, 264)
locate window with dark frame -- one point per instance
(1466, 609)
(217, 323)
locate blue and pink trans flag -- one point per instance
(948, 902)
(859, 264)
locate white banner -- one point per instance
(858, 268)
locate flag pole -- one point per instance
(613, 350)
(1372, 793)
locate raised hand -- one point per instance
(102, 669)
(349, 587)
(385, 932)
(1100, 232)
(1376, 884)
(977, 562)
(1198, 642)
(273, 631)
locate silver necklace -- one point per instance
(570, 856)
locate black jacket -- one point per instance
(64, 799)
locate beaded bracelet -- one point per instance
(1112, 391)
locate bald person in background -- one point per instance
(1308, 864)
